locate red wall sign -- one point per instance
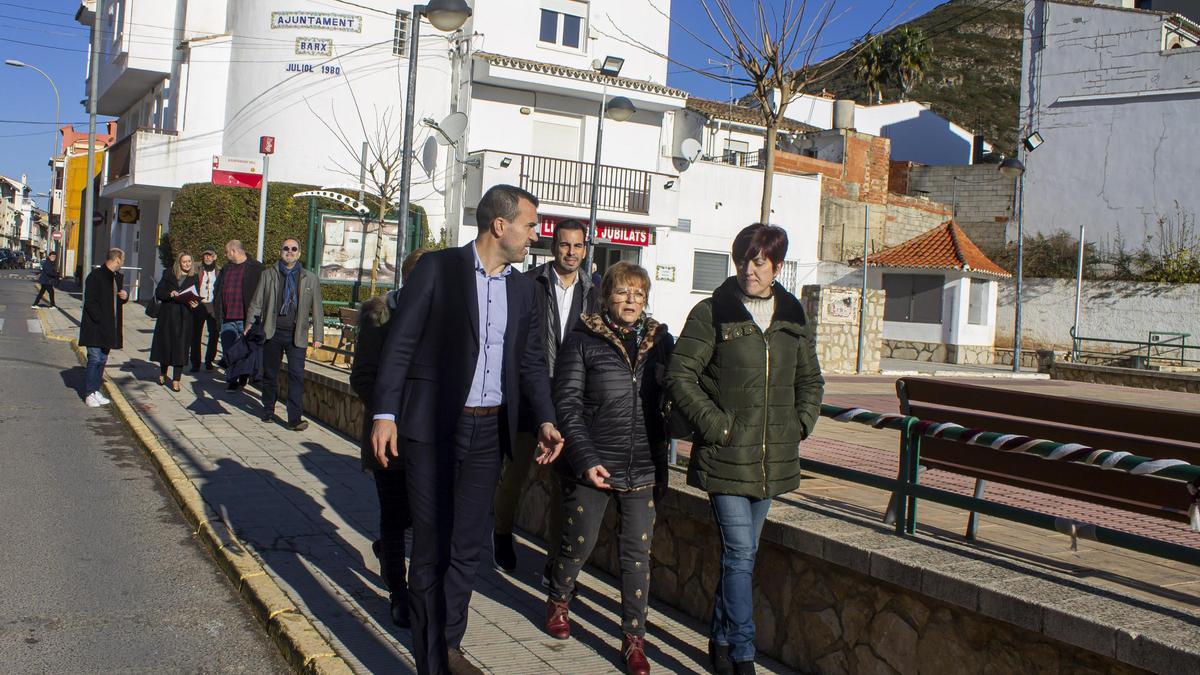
(606, 233)
(266, 145)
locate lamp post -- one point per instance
(619, 109)
(1013, 168)
(57, 117)
(446, 16)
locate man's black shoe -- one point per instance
(718, 658)
(266, 416)
(458, 663)
(743, 667)
(503, 554)
(194, 369)
(209, 366)
(232, 385)
(296, 426)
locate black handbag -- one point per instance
(152, 308)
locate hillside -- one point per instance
(974, 74)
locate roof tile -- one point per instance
(945, 247)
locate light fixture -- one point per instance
(1032, 141)
(619, 109)
(525, 110)
(670, 184)
(1012, 167)
(718, 205)
(15, 63)
(447, 15)
(506, 162)
(611, 65)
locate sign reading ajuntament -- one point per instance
(317, 20)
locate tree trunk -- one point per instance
(764, 209)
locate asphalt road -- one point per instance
(98, 569)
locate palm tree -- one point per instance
(871, 67)
(909, 53)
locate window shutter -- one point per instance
(709, 270)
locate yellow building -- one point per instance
(72, 170)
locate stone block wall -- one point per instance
(912, 350)
(835, 311)
(980, 199)
(893, 222)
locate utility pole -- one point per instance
(862, 298)
(89, 193)
(266, 146)
(362, 247)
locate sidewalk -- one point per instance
(302, 505)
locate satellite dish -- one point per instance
(429, 155)
(690, 149)
(452, 128)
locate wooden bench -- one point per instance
(1140, 430)
(348, 319)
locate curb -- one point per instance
(305, 649)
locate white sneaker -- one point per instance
(103, 399)
(93, 400)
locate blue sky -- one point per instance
(27, 104)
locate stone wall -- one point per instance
(892, 223)
(912, 350)
(980, 199)
(835, 310)
(1125, 377)
(823, 605)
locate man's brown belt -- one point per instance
(482, 411)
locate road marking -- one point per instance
(1, 324)
(35, 326)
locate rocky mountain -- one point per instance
(974, 75)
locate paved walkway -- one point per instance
(302, 504)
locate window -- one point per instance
(977, 310)
(709, 270)
(684, 225)
(913, 298)
(736, 146)
(561, 28)
(789, 275)
(400, 32)
(557, 135)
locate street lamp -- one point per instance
(619, 109)
(446, 16)
(1013, 168)
(57, 106)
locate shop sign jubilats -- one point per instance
(317, 20)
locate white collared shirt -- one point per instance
(565, 296)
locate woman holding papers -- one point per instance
(177, 293)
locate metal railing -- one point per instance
(569, 183)
(1161, 347)
(755, 159)
(908, 489)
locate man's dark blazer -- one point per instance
(428, 361)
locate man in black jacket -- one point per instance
(232, 296)
(104, 299)
(459, 357)
(47, 279)
(564, 296)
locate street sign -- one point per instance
(266, 145)
(57, 235)
(236, 172)
(606, 233)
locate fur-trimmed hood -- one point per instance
(654, 330)
(729, 308)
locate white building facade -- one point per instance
(1113, 93)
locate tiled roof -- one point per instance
(579, 74)
(945, 247)
(742, 114)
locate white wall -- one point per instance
(738, 190)
(1109, 309)
(955, 327)
(511, 28)
(1116, 163)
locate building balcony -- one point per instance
(756, 159)
(564, 187)
(153, 159)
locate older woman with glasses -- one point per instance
(608, 389)
(745, 377)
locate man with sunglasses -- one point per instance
(288, 305)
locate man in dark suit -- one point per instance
(466, 347)
(232, 294)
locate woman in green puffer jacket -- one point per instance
(745, 377)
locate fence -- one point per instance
(1159, 348)
(908, 489)
(569, 182)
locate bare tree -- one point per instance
(385, 158)
(775, 53)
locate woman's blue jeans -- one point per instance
(739, 523)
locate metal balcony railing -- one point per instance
(756, 159)
(569, 183)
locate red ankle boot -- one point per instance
(557, 623)
(634, 649)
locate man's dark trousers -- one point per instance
(200, 320)
(43, 290)
(272, 355)
(450, 491)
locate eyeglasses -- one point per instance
(293, 249)
(630, 295)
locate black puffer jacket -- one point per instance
(611, 414)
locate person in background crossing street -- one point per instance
(565, 295)
(745, 377)
(374, 321)
(205, 313)
(173, 325)
(47, 279)
(606, 459)
(104, 298)
(465, 350)
(288, 303)
(231, 298)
